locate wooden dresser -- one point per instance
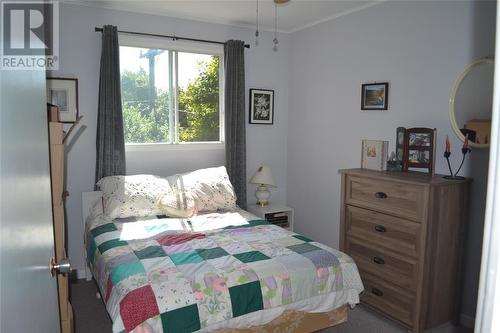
(405, 232)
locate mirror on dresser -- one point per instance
(471, 102)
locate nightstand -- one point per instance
(277, 214)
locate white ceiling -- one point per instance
(293, 16)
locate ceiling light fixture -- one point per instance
(257, 33)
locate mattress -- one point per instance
(218, 270)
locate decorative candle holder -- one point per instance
(455, 176)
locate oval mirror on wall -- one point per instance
(471, 102)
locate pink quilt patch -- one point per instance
(179, 238)
(138, 306)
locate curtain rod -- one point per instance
(97, 29)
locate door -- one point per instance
(488, 303)
(28, 292)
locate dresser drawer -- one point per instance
(399, 199)
(394, 268)
(389, 299)
(383, 230)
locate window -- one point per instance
(171, 91)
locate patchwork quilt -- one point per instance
(171, 275)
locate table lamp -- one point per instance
(264, 179)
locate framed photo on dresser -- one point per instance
(419, 149)
(374, 154)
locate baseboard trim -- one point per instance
(467, 321)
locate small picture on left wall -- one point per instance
(63, 92)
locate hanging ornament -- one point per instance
(257, 23)
(275, 40)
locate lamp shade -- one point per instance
(263, 176)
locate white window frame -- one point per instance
(179, 46)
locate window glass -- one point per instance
(170, 96)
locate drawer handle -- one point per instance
(378, 260)
(380, 195)
(377, 292)
(380, 228)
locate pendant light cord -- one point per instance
(275, 40)
(257, 23)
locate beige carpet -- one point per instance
(91, 316)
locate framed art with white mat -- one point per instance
(63, 92)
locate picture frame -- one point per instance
(63, 92)
(400, 143)
(261, 106)
(375, 96)
(374, 154)
(419, 150)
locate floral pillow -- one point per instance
(210, 188)
(137, 195)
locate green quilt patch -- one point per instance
(250, 256)
(150, 252)
(182, 320)
(184, 258)
(108, 227)
(111, 244)
(303, 238)
(91, 251)
(125, 270)
(246, 298)
(213, 253)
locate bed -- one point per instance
(224, 271)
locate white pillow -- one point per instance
(210, 188)
(137, 195)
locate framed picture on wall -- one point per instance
(63, 92)
(374, 96)
(261, 106)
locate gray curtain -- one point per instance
(110, 143)
(234, 110)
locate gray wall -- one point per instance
(79, 57)
(419, 47)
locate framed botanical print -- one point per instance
(419, 149)
(374, 96)
(374, 154)
(63, 92)
(261, 106)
